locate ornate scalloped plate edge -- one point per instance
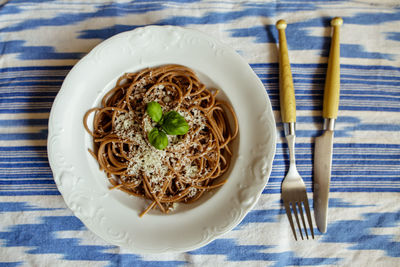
(83, 200)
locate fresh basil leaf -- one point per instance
(174, 123)
(158, 139)
(154, 110)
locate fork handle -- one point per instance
(286, 89)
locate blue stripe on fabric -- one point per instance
(307, 107)
(324, 66)
(53, 192)
(395, 36)
(309, 81)
(345, 145)
(26, 100)
(23, 148)
(46, 174)
(361, 236)
(32, 83)
(24, 165)
(45, 241)
(41, 135)
(366, 77)
(20, 206)
(342, 203)
(11, 264)
(362, 99)
(376, 189)
(30, 94)
(105, 33)
(36, 68)
(346, 176)
(346, 162)
(23, 182)
(22, 159)
(272, 215)
(345, 91)
(128, 260)
(26, 110)
(367, 155)
(24, 122)
(241, 253)
(260, 216)
(317, 77)
(31, 78)
(269, 190)
(8, 9)
(27, 52)
(346, 81)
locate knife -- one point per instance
(324, 143)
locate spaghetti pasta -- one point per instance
(190, 164)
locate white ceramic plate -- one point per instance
(112, 214)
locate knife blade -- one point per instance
(322, 177)
(324, 143)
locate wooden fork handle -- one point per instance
(286, 89)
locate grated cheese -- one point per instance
(191, 171)
(146, 159)
(192, 192)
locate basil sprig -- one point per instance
(171, 123)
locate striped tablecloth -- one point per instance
(40, 41)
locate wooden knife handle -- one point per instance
(332, 82)
(286, 89)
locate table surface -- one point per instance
(40, 41)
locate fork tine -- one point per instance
(297, 218)
(289, 215)
(299, 204)
(307, 207)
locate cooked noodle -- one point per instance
(190, 164)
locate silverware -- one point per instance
(324, 143)
(294, 193)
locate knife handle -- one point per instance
(286, 89)
(332, 82)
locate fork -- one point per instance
(294, 193)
